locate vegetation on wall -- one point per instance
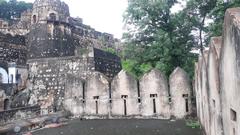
(12, 9)
(162, 39)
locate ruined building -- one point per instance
(55, 62)
(217, 80)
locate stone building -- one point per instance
(180, 91)
(54, 62)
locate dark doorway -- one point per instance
(154, 96)
(52, 17)
(124, 97)
(6, 104)
(96, 98)
(154, 106)
(34, 19)
(187, 107)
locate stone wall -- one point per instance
(217, 80)
(124, 97)
(180, 91)
(154, 95)
(13, 49)
(214, 91)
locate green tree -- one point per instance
(217, 15)
(157, 38)
(13, 9)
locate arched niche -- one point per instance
(3, 76)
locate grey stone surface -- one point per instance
(205, 93)
(214, 90)
(180, 91)
(97, 96)
(73, 98)
(154, 92)
(229, 73)
(124, 87)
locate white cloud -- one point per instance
(103, 15)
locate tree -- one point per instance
(157, 38)
(13, 9)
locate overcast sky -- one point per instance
(103, 15)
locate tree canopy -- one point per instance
(158, 38)
(12, 9)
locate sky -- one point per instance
(102, 15)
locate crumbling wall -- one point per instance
(13, 49)
(154, 95)
(180, 91)
(124, 90)
(48, 78)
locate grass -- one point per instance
(193, 123)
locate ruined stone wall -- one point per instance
(217, 87)
(49, 76)
(13, 49)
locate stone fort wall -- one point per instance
(217, 80)
(125, 97)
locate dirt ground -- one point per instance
(121, 127)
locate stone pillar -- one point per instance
(180, 91)
(214, 90)
(230, 73)
(154, 95)
(205, 93)
(97, 96)
(125, 96)
(196, 89)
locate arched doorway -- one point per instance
(34, 18)
(3, 76)
(52, 17)
(6, 104)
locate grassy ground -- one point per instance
(122, 127)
